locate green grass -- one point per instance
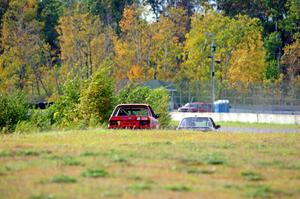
(259, 125)
(174, 124)
(178, 188)
(95, 173)
(252, 176)
(63, 179)
(149, 164)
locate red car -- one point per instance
(133, 116)
(196, 107)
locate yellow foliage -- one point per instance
(135, 73)
(128, 21)
(247, 66)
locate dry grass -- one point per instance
(149, 164)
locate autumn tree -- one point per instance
(132, 49)
(109, 11)
(49, 12)
(291, 60)
(238, 49)
(25, 54)
(84, 43)
(167, 48)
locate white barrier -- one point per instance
(242, 117)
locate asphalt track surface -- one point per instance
(256, 130)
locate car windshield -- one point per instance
(190, 105)
(126, 111)
(196, 122)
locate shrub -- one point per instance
(25, 127)
(158, 99)
(64, 112)
(96, 101)
(13, 108)
(133, 93)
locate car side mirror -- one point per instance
(157, 116)
(218, 126)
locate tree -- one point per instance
(167, 47)
(49, 12)
(97, 100)
(25, 54)
(109, 11)
(291, 23)
(291, 59)
(238, 46)
(272, 44)
(132, 49)
(84, 43)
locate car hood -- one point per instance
(195, 128)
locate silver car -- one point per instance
(198, 123)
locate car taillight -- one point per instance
(144, 122)
(113, 123)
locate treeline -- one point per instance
(47, 43)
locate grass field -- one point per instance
(174, 124)
(149, 164)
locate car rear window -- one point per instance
(131, 110)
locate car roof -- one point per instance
(133, 105)
(196, 117)
(199, 103)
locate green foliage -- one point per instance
(39, 120)
(158, 99)
(272, 44)
(110, 12)
(96, 101)
(49, 12)
(13, 108)
(63, 112)
(272, 71)
(238, 45)
(25, 127)
(133, 93)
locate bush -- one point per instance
(158, 99)
(13, 108)
(97, 100)
(63, 113)
(25, 127)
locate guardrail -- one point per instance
(242, 117)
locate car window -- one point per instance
(126, 111)
(196, 122)
(193, 105)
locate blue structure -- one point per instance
(221, 106)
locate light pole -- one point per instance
(213, 48)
